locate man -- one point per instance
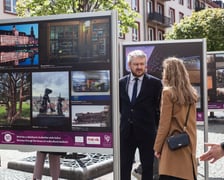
(215, 152)
(139, 110)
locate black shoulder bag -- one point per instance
(180, 140)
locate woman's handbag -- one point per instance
(180, 140)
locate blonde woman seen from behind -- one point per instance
(177, 95)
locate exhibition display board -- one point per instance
(56, 82)
(193, 54)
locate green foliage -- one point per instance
(25, 112)
(208, 23)
(2, 111)
(126, 15)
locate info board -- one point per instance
(56, 88)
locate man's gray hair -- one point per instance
(136, 53)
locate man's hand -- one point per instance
(213, 154)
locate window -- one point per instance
(160, 9)
(181, 2)
(151, 34)
(189, 4)
(135, 5)
(10, 6)
(172, 15)
(150, 7)
(160, 35)
(202, 5)
(135, 33)
(181, 16)
(197, 3)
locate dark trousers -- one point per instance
(165, 177)
(128, 146)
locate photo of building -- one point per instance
(19, 45)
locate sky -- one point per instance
(22, 28)
(56, 81)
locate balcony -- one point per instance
(160, 19)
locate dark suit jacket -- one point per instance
(143, 116)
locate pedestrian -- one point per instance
(178, 96)
(54, 162)
(215, 152)
(139, 109)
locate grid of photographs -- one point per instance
(55, 75)
(215, 79)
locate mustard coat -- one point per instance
(180, 163)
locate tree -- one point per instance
(14, 89)
(126, 15)
(208, 23)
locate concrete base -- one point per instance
(88, 167)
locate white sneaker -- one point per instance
(137, 172)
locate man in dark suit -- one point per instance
(139, 110)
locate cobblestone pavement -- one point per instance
(8, 174)
(215, 171)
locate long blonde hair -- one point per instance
(176, 78)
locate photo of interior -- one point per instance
(79, 41)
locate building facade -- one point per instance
(7, 9)
(158, 16)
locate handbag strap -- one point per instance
(185, 124)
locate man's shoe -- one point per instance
(137, 172)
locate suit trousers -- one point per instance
(128, 146)
(165, 177)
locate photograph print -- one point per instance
(19, 45)
(50, 100)
(90, 86)
(15, 99)
(77, 41)
(91, 116)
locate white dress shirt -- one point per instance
(131, 85)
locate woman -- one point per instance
(177, 95)
(54, 161)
